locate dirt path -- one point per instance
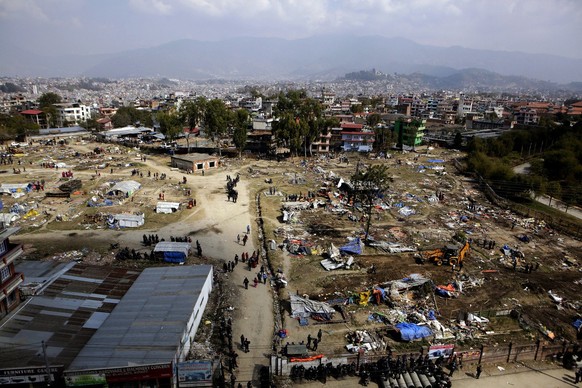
(215, 223)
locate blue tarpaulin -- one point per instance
(410, 331)
(174, 257)
(435, 161)
(354, 247)
(577, 323)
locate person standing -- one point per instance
(315, 341)
(453, 368)
(319, 334)
(238, 238)
(478, 373)
(248, 229)
(246, 283)
(308, 340)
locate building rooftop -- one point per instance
(64, 316)
(147, 325)
(194, 157)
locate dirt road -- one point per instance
(215, 223)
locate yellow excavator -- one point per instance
(448, 255)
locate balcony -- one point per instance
(11, 284)
(14, 250)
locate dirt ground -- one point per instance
(66, 229)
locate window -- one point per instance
(199, 166)
(4, 274)
(211, 164)
(11, 298)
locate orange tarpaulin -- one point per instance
(304, 359)
(448, 287)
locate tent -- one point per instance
(14, 188)
(128, 220)
(305, 308)
(173, 252)
(411, 331)
(167, 207)
(353, 247)
(126, 188)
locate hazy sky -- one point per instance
(99, 26)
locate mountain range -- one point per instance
(316, 58)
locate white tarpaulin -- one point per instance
(167, 207)
(303, 308)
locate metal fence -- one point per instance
(504, 354)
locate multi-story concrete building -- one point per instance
(9, 278)
(72, 113)
(526, 116)
(356, 139)
(410, 132)
(322, 143)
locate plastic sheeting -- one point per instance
(411, 331)
(303, 308)
(353, 247)
(174, 257)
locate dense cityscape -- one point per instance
(290, 194)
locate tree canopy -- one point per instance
(240, 124)
(554, 151)
(128, 115)
(48, 99)
(299, 121)
(368, 184)
(170, 124)
(216, 120)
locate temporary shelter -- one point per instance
(173, 252)
(127, 220)
(305, 308)
(126, 188)
(167, 207)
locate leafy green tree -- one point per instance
(240, 124)
(299, 121)
(90, 124)
(357, 108)
(170, 124)
(384, 138)
(48, 99)
(216, 120)
(458, 141)
(368, 184)
(554, 190)
(13, 125)
(121, 118)
(560, 164)
(192, 113)
(128, 115)
(373, 119)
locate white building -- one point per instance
(72, 113)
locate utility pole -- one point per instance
(48, 368)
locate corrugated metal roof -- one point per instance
(148, 323)
(63, 315)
